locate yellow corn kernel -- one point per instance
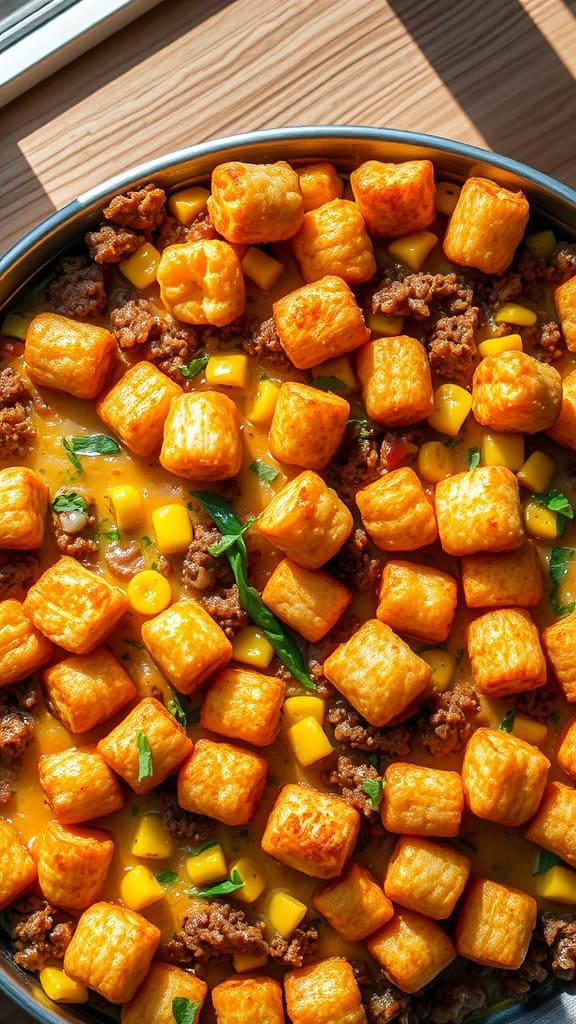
(493, 346)
(251, 647)
(285, 912)
(172, 528)
(14, 325)
(512, 313)
(537, 473)
(139, 888)
(152, 841)
(187, 204)
(339, 368)
(297, 708)
(443, 667)
(149, 592)
(127, 506)
(263, 404)
(384, 326)
(244, 962)
(254, 881)
(451, 407)
(413, 249)
(140, 268)
(502, 450)
(528, 729)
(446, 197)
(435, 461)
(207, 866)
(261, 268)
(558, 884)
(231, 370)
(308, 741)
(541, 244)
(59, 987)
(541, 522)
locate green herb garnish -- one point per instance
(184, 1010)
(112, 534)
(175, 708)
(194, 851)
(70, 453)
(145, 541)
(329, 384)
(227, 541)
(222, 888)
(95, 444)
(473, 457)
(145, 769)
(558, 565)
(167, 877)
(374, 789)
(507, 723)
(555, 501)
(452, 442)
(195, 366)
(264, 471)
(229, 525)
(546, 860)
(70, 502)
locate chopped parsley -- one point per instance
(184, 1011)
(175, 708)
(473, 457)
(452, 442)
(558, 565)
(195, 366)
(145, 768)
(546, 860)
(70, 453)
(69, 502)
(112, 534)
(231, 884)
(94, 444)
(194, 851)
(555, 501)
(374, 789)
(145, 541)
(507, 723)
(167, 877)
(329, 384)
(264, 471)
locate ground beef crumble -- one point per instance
(223, 605)
(173, 232)
(141, 209)
(184, 826)
(78, 289)
(356, 464)
(111, 243)
(437, 1003)
(452, 346)
(165, 341)
(17, 723)
(125, 560)
(40, 932)
(539, 704)
(81, 543)
(18, 571)
(298, 949)
(445, 723)
(210, 580)
(403, 293)
(263, 342)
(348, 777)
(560, 937)
(214, 931)
(17, 432)
(354, 565)
(353, 731)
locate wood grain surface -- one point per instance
(499, 74)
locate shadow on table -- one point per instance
(116, 55)
(502, 71)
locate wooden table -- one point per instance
(498, 74)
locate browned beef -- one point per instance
(172, 232)
(40, 932)
(452, 346)
(384, 1002)
(183, 825)
(18, 571)
(441, 1002)
(539, 704)
(125, 560)
(401, 293)
(133, 321)
(298, 949)
(354, 564)
(445, 723)
(546, 336)
(214, 931)
(560, 937)
(263, 342)
(202, 572)
(348, 777)
(223, 605)
(165, 341)
(17, 432)
(563, 262)
(453, 1005)
(356, 464)
(141, 209)
(16, 733)
(353, 731)
(77, 289)
(111, 243)
(533, 971)
(74, 531)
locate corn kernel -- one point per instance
(152, 841)
(435, 461)
(537, 473)
(261, 268)
(308, 741)
(451, 407)
(512, 313)
(493, 346)
(558, 884)
(339, 368)
(139, 888)
(541, 244)
(172, 528)
(230, 370)
(413, 249)
(261, 409)
(149, 592)
(285, 912)
(447, 194)
(140, 268)
(528, 729)
(541, 522)
(244, 962)
(384, 326)
(297, 708)
(443, 667)
(254, 881)
(207, 866)
(62, 989)
(188, 203)
(251, 647)
(14, 325)
(502, 450)
(127, 506)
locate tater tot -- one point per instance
(395, 199)
(308, 426)
(202, 282)
(486, 226)
(512, 391)
(396, 380)
(320, 321)
(565, 300)
(564, 429)
(252, 203)
(333, 240)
